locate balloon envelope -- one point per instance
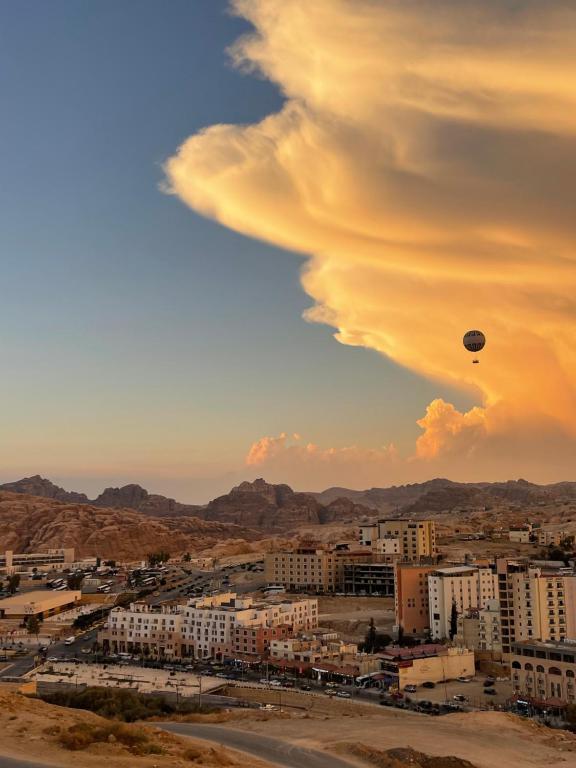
(474, 341)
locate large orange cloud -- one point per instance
(425, 161)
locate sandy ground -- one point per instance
(487, 739)
(29, 731)
(351, 615)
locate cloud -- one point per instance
(424, 161)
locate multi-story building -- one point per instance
(369, 579)
(479, 629)
(203, 627)
(311, 569)
(417, 538)
(254, 642)
(506, 571)
(464, 587)
(551, 538)
(52, 559)
(544, 671)
(411, 598)
(544, 604)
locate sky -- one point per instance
(244, 239)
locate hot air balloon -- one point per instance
(474, 341)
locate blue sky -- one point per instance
(142, 343)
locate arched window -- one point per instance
(516, 665)
(528, 667)
(569, 673)
(539, 668)
(555, 671)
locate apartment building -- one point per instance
(202, 628)
(411, 597)
(551, 538)
(479, 629)
(463, 586)
(311, 569)
(369, 579)
(544, 672)
(253, 643)
(520, 535)
(416, 538)
(544, 605)
(506, 571)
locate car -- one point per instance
(459, 697)
(330, 692)
(463, 679)
(490, 691)
(343, 694)
(86, 650)
(288, 683)
(276, 682)
(428, 684)
(489, 682)
(263, 681)
(410, 688)
(53, 658)
(305, 687)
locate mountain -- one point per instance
(270, 507)
(30, 524)
(39, 486)
(129, 496)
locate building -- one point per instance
(253, 643)
(411, 598)
(544, 672)
(416, 538)
(544, 604)
(203, 627)
(551, 538)
(311, 569)
(52, 559)
(369, 579)
(505, 572)
(520, 535)
(479, 630)
(424, 663)
(41, 604)
(461, 586)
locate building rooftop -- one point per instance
(453, 570)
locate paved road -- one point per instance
(276, 751)
(8, 762)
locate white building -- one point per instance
(203, 627)
(465, 587)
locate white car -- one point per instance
(464, 679)
(343, 695)
(410, 688)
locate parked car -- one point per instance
(305, 687)
(464, 679)
(459, 697)
(330, 692)
(490, 691)
(489, 682)
(410, 688)
(343, 694)
(428, 684)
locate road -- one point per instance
(275, 751)
(8, 762)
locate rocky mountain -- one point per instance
(129, 496)
(270, 507)
(39, 486)
(31, 523)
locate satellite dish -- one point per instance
(474, 341)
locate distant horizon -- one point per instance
(94, 493)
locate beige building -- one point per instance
(544, 672)
(326, 647)
(202, 628)
(425, 663)
(20, 562)
(520, 535)
(417, 538)
(311, 569)
(551, 538)
(480, 631)
(411, 598)
(544, 605)
(465, 587)
(41, 604)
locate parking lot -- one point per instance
(474, 691)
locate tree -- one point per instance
(371, 635)
(74, 580)
(155, 558)
(13, 583)
(453, 620)
(33, 626)
(187, 557)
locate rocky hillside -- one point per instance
(129, 496)
(30, 523)
(277, 507)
